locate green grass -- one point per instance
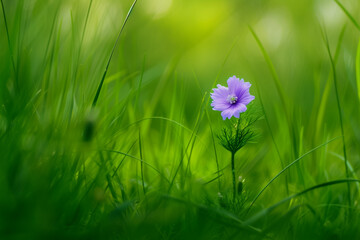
(106, 128)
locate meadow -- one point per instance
(107, 129)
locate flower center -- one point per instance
(232, 99)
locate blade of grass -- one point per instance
(215, 152)
(288, 166)
(161, 87)
(272, 137)
(141, 163)
(111, 55)
(124, 197)
(139, 87)
(9, 42)
(350, 167)
(141, 160)
(50, 37)
(193, 134)
(352, 19)
(288, 215)
(217, 177)
(51, 67)
(358, 69)
(339, 109)
(108, 177)
(210, 125)
(165, 119)
(268, 210)
(77, 61)
(82, 38)
(271, 67)
(325, 95)
(220, 213)
(279, 89)
(117, 168)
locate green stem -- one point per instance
(141, 165)
(233, 173)
(340, 117)
(215, 152)
(111, 55)
(9, 43)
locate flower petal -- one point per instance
(237, 87)
(234, 110)
(241, 107)
(220, 106)
(234, 84)
(228, 113)
(220, 92)
(242, 89)
(246, 98)
(219, 97)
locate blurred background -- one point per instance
(154, 105)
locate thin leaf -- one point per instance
(270, 209)
(8, 39)
(279, 89)
(111, 55)
(352, 19)
(358, 69)
(141, 163)
(272, 136)
(339, 109)
(288, 166)
(141, 160)
(325, 95)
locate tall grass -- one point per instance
(112, 52)
(340, 115)
(106, 129)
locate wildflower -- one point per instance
(232, 100)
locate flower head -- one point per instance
(231, 100)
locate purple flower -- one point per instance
(232, 100)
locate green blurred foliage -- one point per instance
(68, 170)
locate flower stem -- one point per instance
(233, 173)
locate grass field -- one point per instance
(106, 128)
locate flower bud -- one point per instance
(240, 186)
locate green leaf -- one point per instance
(352, 19)
(357, 64)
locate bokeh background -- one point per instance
(59, 173)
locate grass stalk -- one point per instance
(326, 92)
(81, 42)
(139, 86)
(340, 113)
(357, 65)
(193, 135)
(9, 43)
(352, 19)
(215, 152)
(111, 55)
(233, 174)
(273, 138)
(280, 91)
(141, 164)
(268, 210)
(141, 160)
(288, 166)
